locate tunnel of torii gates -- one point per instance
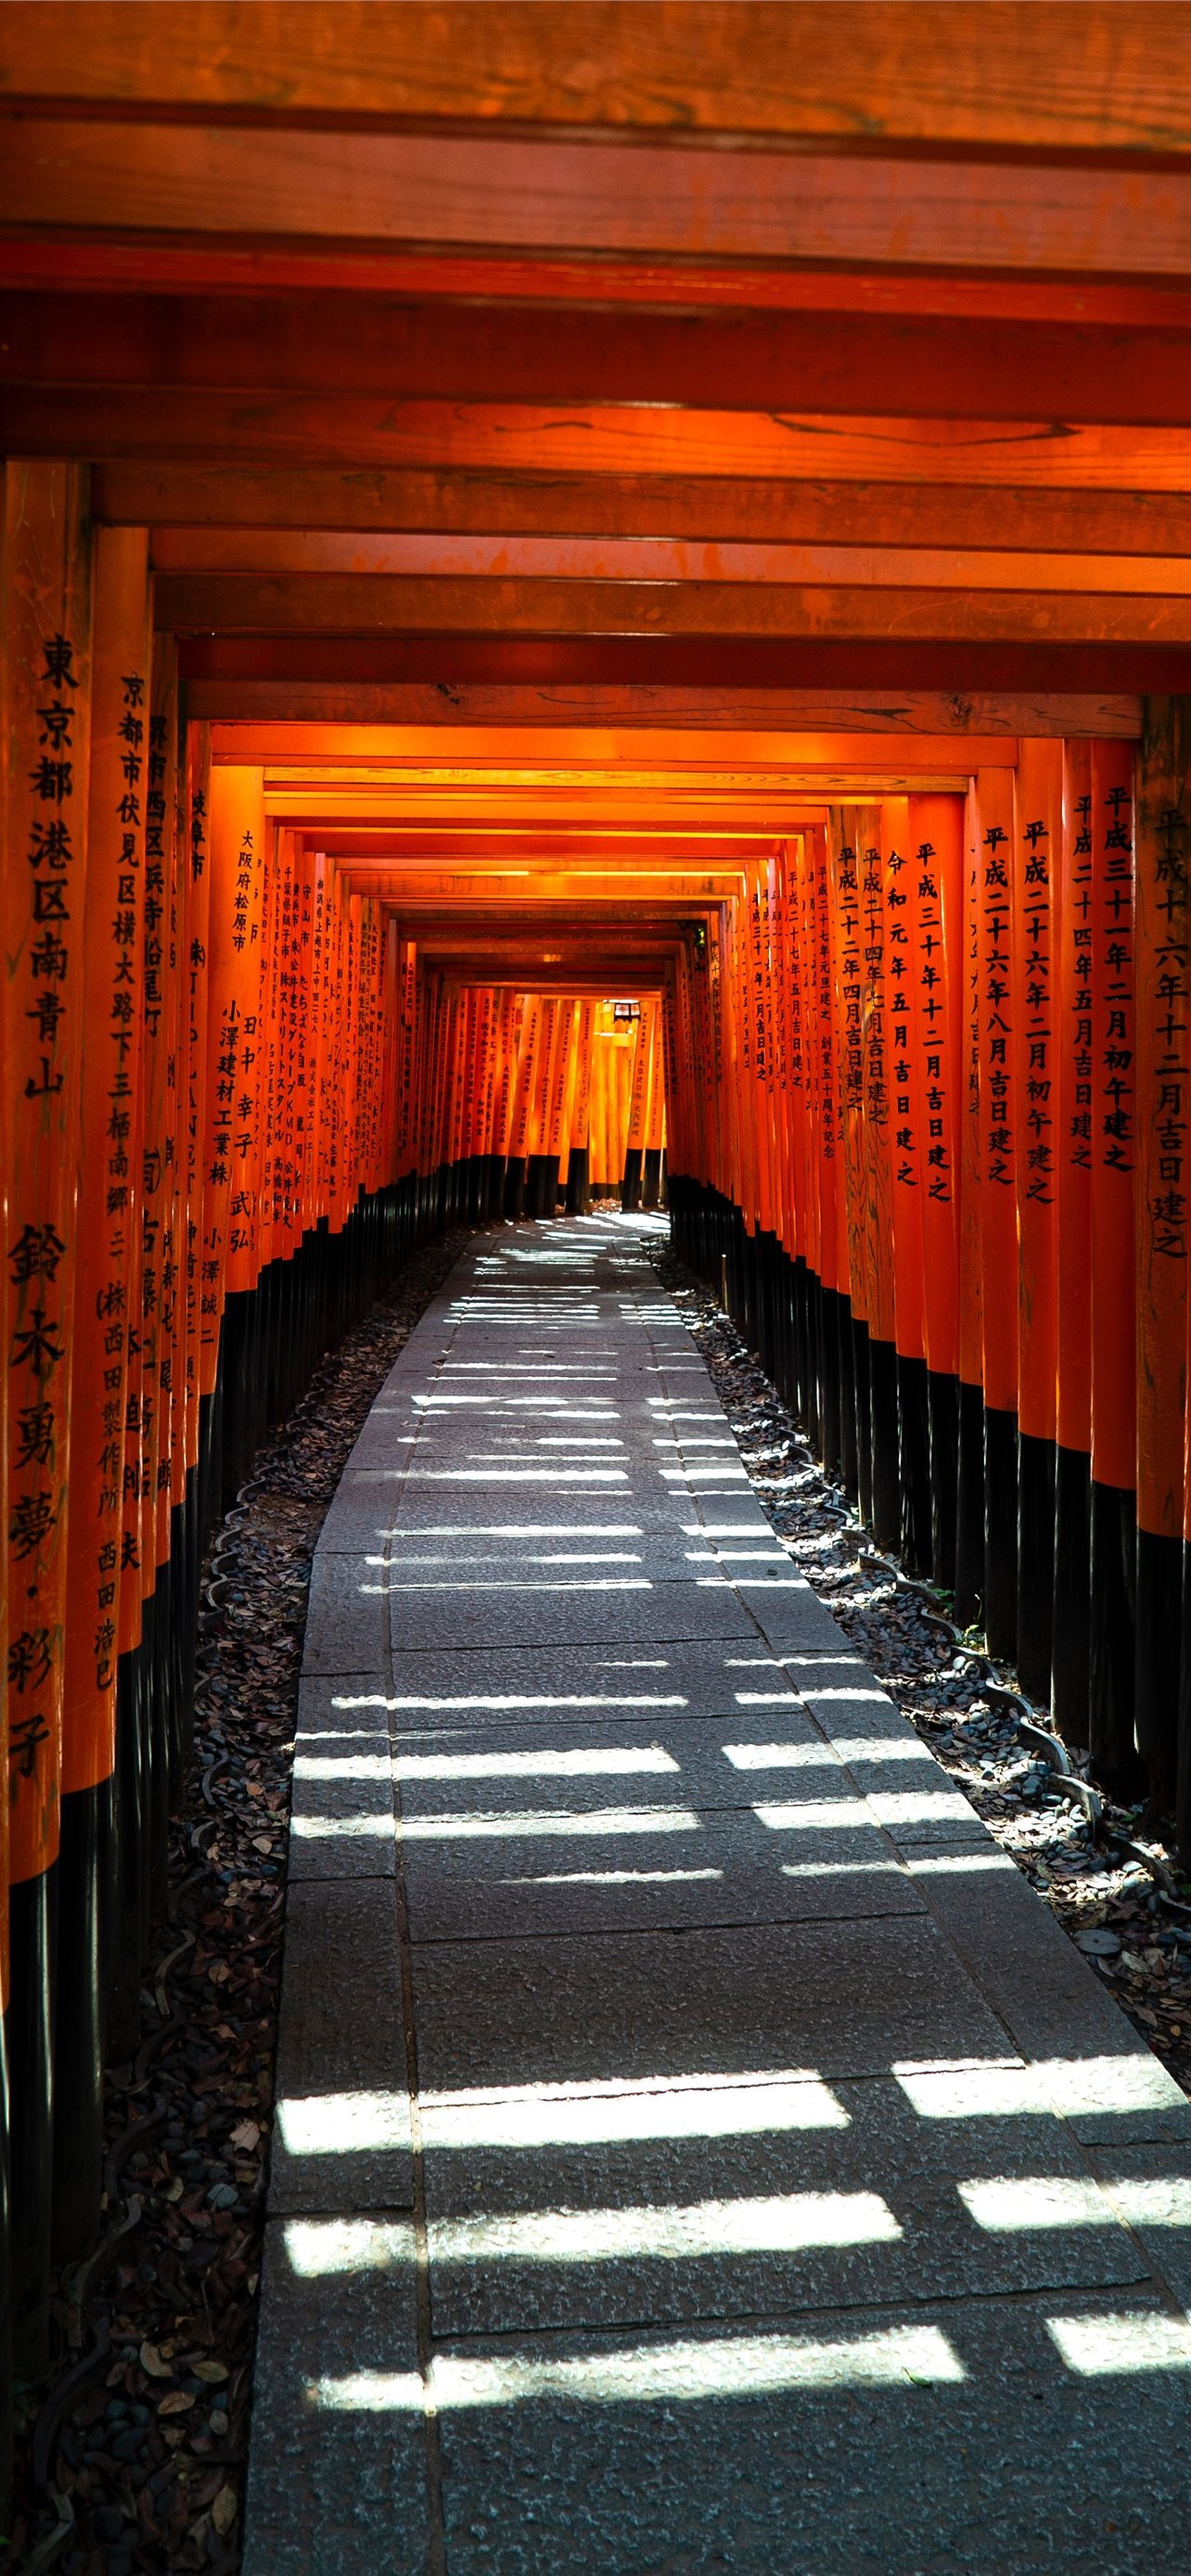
(468, 565)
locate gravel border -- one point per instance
(130, 2457)
(1114, 1887)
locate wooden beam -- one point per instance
(366, 753)
(605, 199)
(828, 362)
(240, 708)
(447, 666)
(262, 554)
(531, 859)
(709, 508)
(633, 814)
(1096, 79)
(303, 430)
(530, 846)
(467, 888)
(525, 438)
(59, 263)
(309, 604)
(636, 973)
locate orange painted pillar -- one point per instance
(540, 1180)
(233, 1074)
(45, 636)
(906, 1165)
(1125, 1045)
(579, 1167)
(638, 1110)
(1038, 840)
(523, 1104)
(849, 987)
(886, 1498)
(999, 1147)
(98, 1914)
(196, 989)
(1163, 1225)
(651, 1169)
(832, 1203)
(969, 1534)
(935, 884)
(558, 1093)
(1073, 1263)
(778, 1007)
(155, 1168)
(568, 1109)
(669, 1034)
(800, 1373)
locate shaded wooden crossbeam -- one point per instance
(1133, 367)
(858, 75)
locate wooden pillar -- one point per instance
(935, 884)
(1162, 1201)
(1037, 853)
(98, 1843)
(45, 643)
(999, 1139)
(1119, 1078)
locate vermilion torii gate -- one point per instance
(508, 508)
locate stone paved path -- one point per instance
(697, 2147)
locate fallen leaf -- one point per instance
(211, 2371)
(223, 2511)
(157, 2361)
(246, 2134)
(179, 2402)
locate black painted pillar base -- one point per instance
(942, 1406)
(539, 1196)
(514, 1189)
(651, 1177)
(846, 1362)
(578, 1187)
(1183, 1787)
(6, 2372)
(239, 1395)
(1035, 1563)
(78, 2023)
(155, 1755)
(630, 1187)
(1112, 1650)
(913, 1449)
(126, 1932)
(969, 1508)
(1159, 1640)
(800, 1369)
(812, 1382)
(886, 1510)
(1000, 1533)
(862, 1393)
(1073, 1594)
(32, 1907)
(830, 1402)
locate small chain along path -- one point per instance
(697, 2146)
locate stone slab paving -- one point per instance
(697, 2147)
